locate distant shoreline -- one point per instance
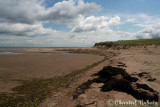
(37, 47)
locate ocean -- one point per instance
(10, 50)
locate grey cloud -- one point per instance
(155, 35)
(23, 29)
(25, 17)
(140, 36)
(71, 36)
(20, 11)
(149, 32)
(83, 29)
(31, 11)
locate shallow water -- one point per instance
(15, 53)
(9, 53)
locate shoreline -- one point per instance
(93, 96)
(136, 60)
(53, 83)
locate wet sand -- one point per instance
(20, 67)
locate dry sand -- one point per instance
(19, 67)
(136, 60)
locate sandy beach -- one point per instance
(79, 53)
(137, 75)
(136, 61)
(15, 68)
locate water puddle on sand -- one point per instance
(9, 53)
(49, 53)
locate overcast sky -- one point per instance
(76, 23)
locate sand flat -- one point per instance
(18, 67)
(136, 60)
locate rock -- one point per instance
(118, 79)
(109, 71)
(134, 79)
(151, 79)
(117, 83)
(144, 86)
(144, 92)
(142, 74)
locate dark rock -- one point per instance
(109, 71)
(144, 92)
(98, 80)
(143, 74)
(117, 83)
(144, 86)
(151, 79)
(134, 79)
(118, 79)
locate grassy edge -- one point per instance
(129, 43)
(33, 92)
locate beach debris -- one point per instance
(118, 79)
(120, 64)
(81, 89)
(144, 92)
(145, 75)
(151, 79)
(108, 72)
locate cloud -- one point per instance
(32, 11)
(93, 23)
(25, 17)
(21, 24)
(69, 11)
(20, 11)
(21, 29)
(130, 20)
(152, 31)
(141, 20)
